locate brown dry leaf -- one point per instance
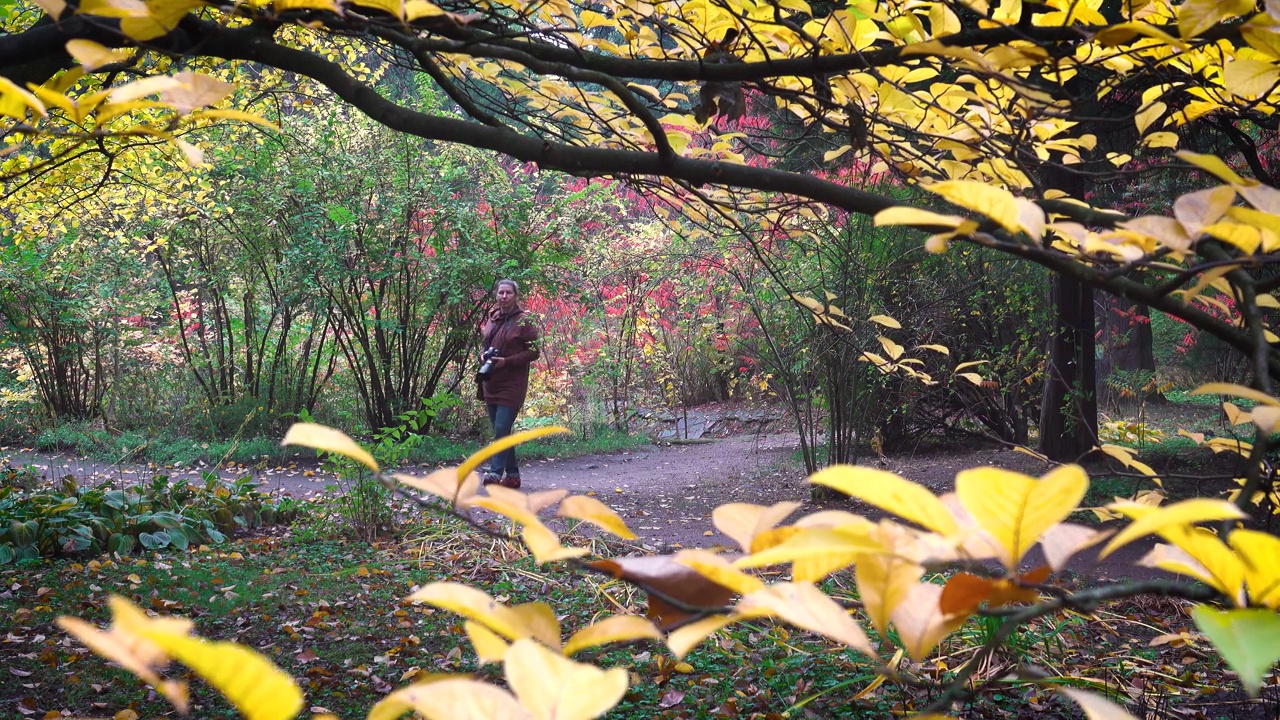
(963, 592)
(663, 578)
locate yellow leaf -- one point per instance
(195, 91)
(813, 305)
(16, 102)
(1016, 509)
(329, 440)
(884, 582)
(1149, 114)
(444, 483)
(553, 687)
(489, 646)
(1197, 16)
(974, 378)
(684, 639)
(718, 570)
(52, 8)
(743, 521)
(805, 606)
(903, 215)
(1126, 456)
(936, 348)
(891, 348)
(1062, 541)
(230, 114)
(619, 628)
(588, 509)
(473, 604)
(1249, 79)
(1213, 165)
(193, 154)
(1096, 707)
(1161, 140)
(1245, 237)
(503, 444)
(1248, 393)
(1204, 207)
(1155, 520)
(259, 689)
(920, 622)
(1266, 417)
(994, 202)
(1031, 218)
(450, 698)
(816, 552)
(114, 8)
(123, 644)
(543, 543)
(1260, 553)
(886, 321)
(891, 493)
(92, 55)
(830, 155)
(1200, 554)
(161, 18)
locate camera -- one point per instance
(486, 363)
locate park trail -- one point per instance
(665, 493)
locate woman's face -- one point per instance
(506, 296)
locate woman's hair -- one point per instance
(515, 287)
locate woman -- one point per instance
(513, 337)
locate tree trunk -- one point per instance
(1069, 411)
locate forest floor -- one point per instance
(665, 492)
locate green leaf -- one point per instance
(153, 541)
(6, 554)
(1249, 640)
(178, 538)
(120, 544)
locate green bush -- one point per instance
(68, 519)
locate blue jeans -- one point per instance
(503, 418)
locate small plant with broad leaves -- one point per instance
(165, 513)
(980, 534)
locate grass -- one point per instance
(171, 450)
(332, 613)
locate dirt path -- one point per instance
(665, 493)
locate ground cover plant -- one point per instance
(40, 520)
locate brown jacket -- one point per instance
(516, 337)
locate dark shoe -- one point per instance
(490, 478)
(511, 481)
